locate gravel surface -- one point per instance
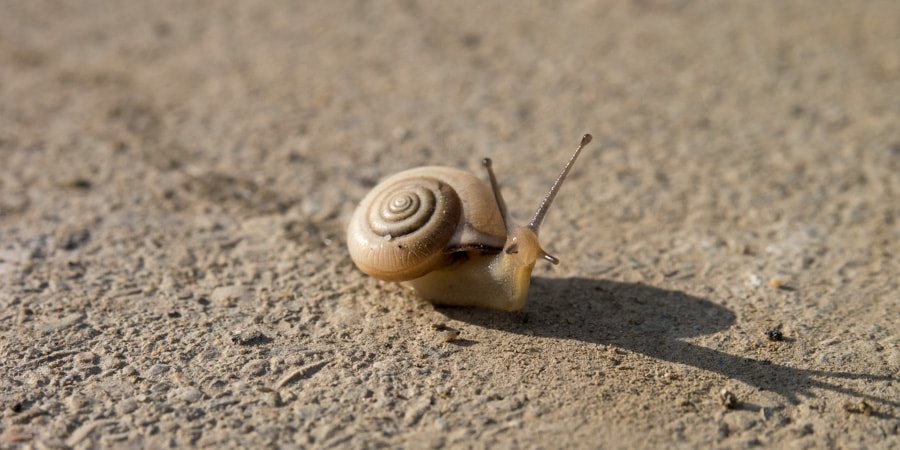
(176, 179)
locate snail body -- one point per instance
(448, 235)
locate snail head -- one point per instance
(523, 241)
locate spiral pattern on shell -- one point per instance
(402, 227)
(400, 210)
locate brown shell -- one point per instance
(410, 223)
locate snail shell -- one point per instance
(447, 234)
(414, 221)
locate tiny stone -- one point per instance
(90, 370)
(273, 399)
(865, 408)
(228, 295)
(158, 369)
(754, 280)
(774, 334)
(76, 403)
(450, 335)
(127, 406)
(728, 399)
(191, 395)
(110, 363)
(85, 357)
(250, 337)
(256, 367)
(861, 408)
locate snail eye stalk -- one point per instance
(535, 224)
(495, 186)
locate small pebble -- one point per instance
(255, 367)
(272, 399)
(449, 335)
(774, 334)
(865, 409)
(728, 399)
(754, 280)
(110, 363)
(89, 370)
(860, 408)
(158, 369)
(76, 403)
(250, 337)
(191, 395)
(229, 295)
(127, 406)
(85, 357)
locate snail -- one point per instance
(448, 235)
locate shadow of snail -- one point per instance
(654, 322)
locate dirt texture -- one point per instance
(176, 179)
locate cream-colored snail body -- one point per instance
(448, 235)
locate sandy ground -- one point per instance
(176, 178)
